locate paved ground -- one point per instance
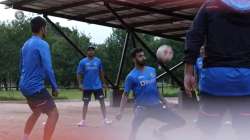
(13, 116)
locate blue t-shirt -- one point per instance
(144, 85)
(224, 81)
(35, 66)
(90, 70)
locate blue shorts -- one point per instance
(41, 102)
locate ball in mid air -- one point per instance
(164, 54)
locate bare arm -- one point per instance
(189, 79)
(102, 75)
(122, 105)
(79, 79)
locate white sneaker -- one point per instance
(81, 123)
(107, 122)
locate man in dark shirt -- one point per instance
(224, 27)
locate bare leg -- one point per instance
(30, 124)
(103, 108)
(50, 124)
(85, 110)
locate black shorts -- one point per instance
(213, 108)
(41, 102)
(98, 93)
(157, 112)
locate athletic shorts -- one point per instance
(98, 93)
(41, 102)
(165, 115)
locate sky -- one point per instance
(97, 33)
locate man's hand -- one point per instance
(189, 83)
(189, 79)
(55, 93)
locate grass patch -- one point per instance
(73, 94)
(169, 91)
(17, 96)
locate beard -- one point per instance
(91, 55)
(140, 63)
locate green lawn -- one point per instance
(16, 95)
(169, 91)
(71, 94)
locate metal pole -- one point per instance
(133, 41)
(64, 36)
(118, 77)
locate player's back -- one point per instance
(32, 72)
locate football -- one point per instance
(164, 54)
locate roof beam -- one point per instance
(104, 12)
(154, 22)
(69, 5)
(175, 29)
(145, 8)
(122, 9)
(20, 3)
(177, 35)
(182, 7)
(127, 16)
(97, 22)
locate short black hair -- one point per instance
(37, 24)
(135, 51)
(90, 48)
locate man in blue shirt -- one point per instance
(36, 67)
(149, 103)
(90, 77)
(224, 27)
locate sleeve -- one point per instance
(47, 65)
(128, 84)
(195, 37)
(80, 68)
(155, 72)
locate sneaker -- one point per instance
(81, 123)
(107, 121)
